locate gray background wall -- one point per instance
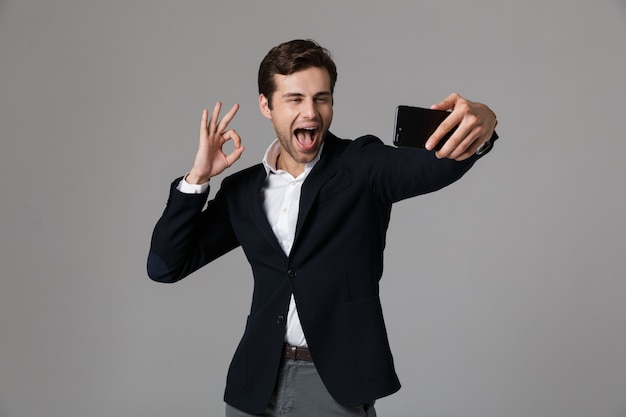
(505, 294)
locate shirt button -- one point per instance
(292, 273)
(280, 319)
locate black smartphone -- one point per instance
(414, 125)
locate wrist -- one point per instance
(192, 178)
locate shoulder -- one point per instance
(337, 142)
(248, 175)
(336, 146)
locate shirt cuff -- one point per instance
(186, 188)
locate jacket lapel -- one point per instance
(323, 171)
(257, 213)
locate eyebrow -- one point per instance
(320, 94)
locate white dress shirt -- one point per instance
(280, 197)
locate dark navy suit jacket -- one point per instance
(333, 269)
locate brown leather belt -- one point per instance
(297, 353)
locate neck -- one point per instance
(294, 170)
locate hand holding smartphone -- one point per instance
(414, 125)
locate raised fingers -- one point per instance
(203, 123)
(223, 124)
(214, 117)
(214, 126)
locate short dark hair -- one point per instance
(290, 57)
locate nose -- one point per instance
(308, 109)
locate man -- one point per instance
(311, 220)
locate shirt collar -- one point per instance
(271, 155)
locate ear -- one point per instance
(264, 106)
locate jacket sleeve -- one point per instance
(399, 173)
(186, 237)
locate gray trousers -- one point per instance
(301, 393)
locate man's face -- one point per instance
(302, 110)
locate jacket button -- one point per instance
(292, 273)
(280, 319)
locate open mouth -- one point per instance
(306, 137)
